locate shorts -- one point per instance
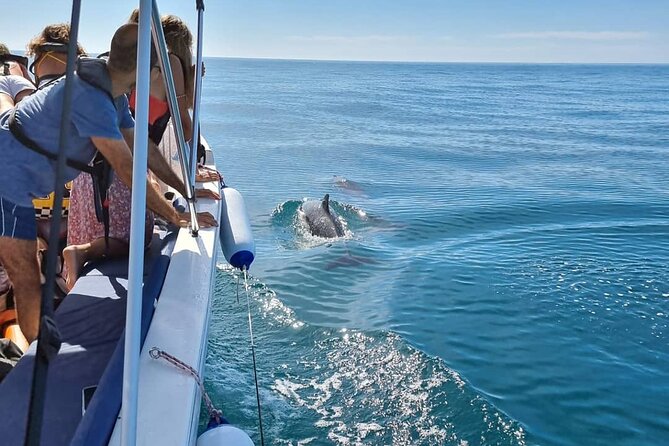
(16, 221)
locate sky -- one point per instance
(541, 31)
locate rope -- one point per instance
(214, 413)
(238, 289)
(253, 353)
(156, 353)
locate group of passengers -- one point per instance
(101, 129)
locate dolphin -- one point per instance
(322, 222)
(349, 186)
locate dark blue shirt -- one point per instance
(27, 174)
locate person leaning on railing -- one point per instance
(96, 125)
(179, 42)
(13, 88)
(49, 52)
(86, 239)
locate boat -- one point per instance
(134, 330)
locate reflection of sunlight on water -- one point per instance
(351, 387)
(414, 399)
(607, 294)
(270, 304)
(471, 235)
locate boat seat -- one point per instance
(91, 320)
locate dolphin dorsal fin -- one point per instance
(326, 202)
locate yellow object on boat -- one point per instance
(44, 205)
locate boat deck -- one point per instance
(178, 281)
(91, 320)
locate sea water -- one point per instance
(504, 278)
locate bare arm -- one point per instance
(117, 152)
(157, 163)
(22, 94)
(161, 168)
(6, 102)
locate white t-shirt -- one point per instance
(13, 85)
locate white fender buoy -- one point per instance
(235, 228)
(224, 435)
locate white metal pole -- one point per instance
(165, 66)
(133, 317)
(195, 138)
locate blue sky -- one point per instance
(615, 31)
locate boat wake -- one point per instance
(347, 386)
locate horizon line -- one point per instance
(298, 59)
(290, 59)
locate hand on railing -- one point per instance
(204, 219)
(205, 174)
(207, 193)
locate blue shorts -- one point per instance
(17, 221)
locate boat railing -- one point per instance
(48, 337)
(195, 140)
(149, 14)
(48, 340)
(133, 312)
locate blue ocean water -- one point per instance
(504, 279)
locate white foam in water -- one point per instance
(349, 375)
(350, 387)
(307, 240)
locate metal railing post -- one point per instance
(46, 339)
(133, 316)
(165, 66)
(195, 140)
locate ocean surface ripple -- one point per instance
(504, 277)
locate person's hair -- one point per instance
(134, 16)
(56, 33)
(3, 49)
(179, 42)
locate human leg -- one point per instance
(18, 254)
(20, 260)
(75, 256)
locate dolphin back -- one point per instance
(326, 203)
(322, 222)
